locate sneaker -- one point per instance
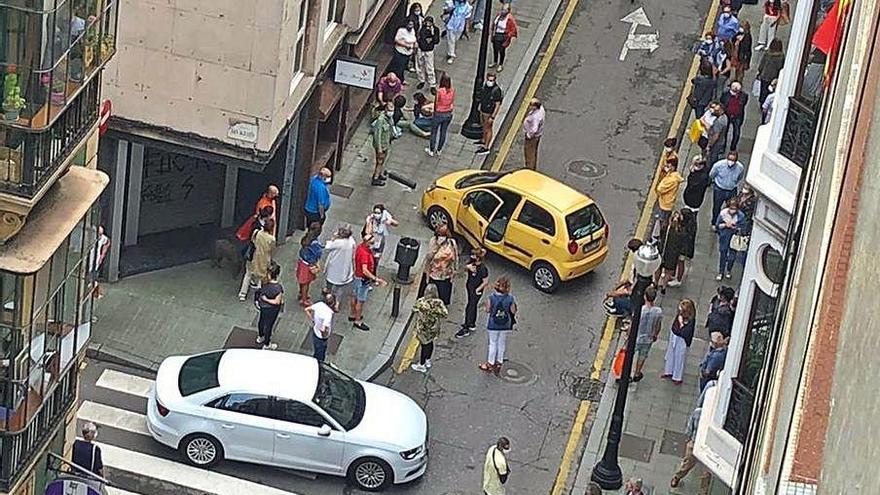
(719, 276)
(418, 367)
(420, 85)
(429, 152)
(242, 298)
(362, 326)
(464, 332)
(254, 286)
(482, 151)
(259, 340)
(728, 275)
(638, 378)
(491, 65)
(270, 347)
(759, 47)
(714, 229)
(479, 142)
(673, 283)
(377, 182)
(500, 68)
(449, 60)
(428, 363)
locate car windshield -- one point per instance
(340, 396)
(199, 373)
(584, 222)
(478, 178)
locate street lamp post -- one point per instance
(472, 127)
(607, 471)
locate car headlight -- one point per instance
(411, 453)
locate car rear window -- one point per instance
(478, 178)
(199, 373)
(584, 222)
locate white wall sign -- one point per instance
(243, 131)
(354, 73)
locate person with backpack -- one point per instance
(258, 256)
(501, 308)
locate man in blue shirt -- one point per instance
(318, 199)
(727, 26)
(726, 174)
(713, 363)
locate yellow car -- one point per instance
(533, 220)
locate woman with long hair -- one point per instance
(681, 334)
(429, 311)
(307, 266)
(501, 308)
(743, 49)
(444, 104)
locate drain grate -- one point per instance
(587, 169)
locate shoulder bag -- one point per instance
(739, 242)
(501, 477)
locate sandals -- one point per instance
(487, 367)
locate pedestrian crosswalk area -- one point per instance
(138, 465)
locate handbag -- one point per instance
(617, 365)
(739, 242)
(695, 131)
(499, 37)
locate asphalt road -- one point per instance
(606, 120)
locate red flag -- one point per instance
(829, 34)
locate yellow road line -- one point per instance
(577, 428)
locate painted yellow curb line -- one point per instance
(574, 436)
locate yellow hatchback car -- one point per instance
(531, 219)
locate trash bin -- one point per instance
(405, 255)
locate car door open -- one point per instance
(476, 210)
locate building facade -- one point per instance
(787, 416)
(53, 53)
(214, 100)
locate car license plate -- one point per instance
(591, 246)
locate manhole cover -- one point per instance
(517, 373)
(587, 169)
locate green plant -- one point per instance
(12, 99)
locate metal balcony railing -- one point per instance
(799, 131)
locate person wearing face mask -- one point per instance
(667, 191)
(743, 48)
(725, 175)
(440, 263)
(428, 37)
(477, 281)
(504, 29)
(381, 132)
(730, 221)
(727, 26)
(713, 363)
(321, 314)
(318, 197)
(496, 469)
(404, 46)
(489, 102)
(697, 183)
(735, 101)
(770, 66)
(702, 88)
(457, 14)
(378, 223)
(533, 127)
(86, 454)
(769, 103)
(417, 17)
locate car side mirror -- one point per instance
(324, 431)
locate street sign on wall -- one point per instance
(71, 486)
(355, 73)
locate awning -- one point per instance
(375, 29)
(52, 220)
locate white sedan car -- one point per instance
(286, 410)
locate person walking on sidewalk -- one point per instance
(769, 67)
(256, 269)
(504, 30)
(364, 278)
(339, 272)
(533, 125)
(269, 299)
(496, 469)
(428, 38)
(86, 454)
(681, 334)
(318, 197)
(730, 221)
(726, 175)
(713, 363)
(727, 25)
(379, 223)
(767, 30)
(650, 325)
(697, 183)
(429, 312)
(689, 461)
(308, 265)
(381, 131)
(502, 310)
(457, 14)
(735, 101)
(444, 104)
(743, 47)
(321, 314)
(440, 263)
(404, 44)
(490, 103)
(477, 281)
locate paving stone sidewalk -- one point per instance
(657, 411)
(194, 308)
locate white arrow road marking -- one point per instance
(635, 41)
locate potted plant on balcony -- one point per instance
(12, 100)
(108, 44)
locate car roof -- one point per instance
(549, 191)
(275, 373)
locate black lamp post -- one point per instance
(607, 471)
(472, 127)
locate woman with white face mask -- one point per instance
(378, 223)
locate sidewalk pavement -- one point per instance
(194, 308)
(656, 410)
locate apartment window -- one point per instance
(335, 11)
(299, 47)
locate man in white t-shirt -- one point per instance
(339, 271)
(321, 314)
(404, 45)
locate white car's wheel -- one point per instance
(201, 450)
(371, 474)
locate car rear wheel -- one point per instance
(437, 216)
(545, 277)
(201, 450)
(371, 474)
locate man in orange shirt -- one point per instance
(267, 199)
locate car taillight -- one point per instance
(572, 247)
(163, 411)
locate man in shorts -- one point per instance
(364, 278)
(649, 329)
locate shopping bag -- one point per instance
(739, 242)
(617, 365)
(756, 87)
(695, 131)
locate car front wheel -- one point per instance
(545, 277)
(201, 450)
(438, 216)
(371, 474)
